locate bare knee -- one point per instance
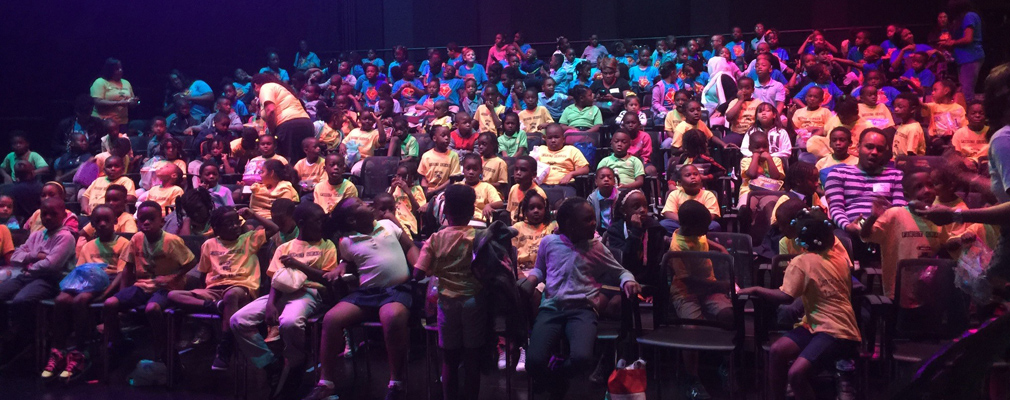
(799, 372)
(64, 299)
(153, 310)
(82, 301)
(393, 316)
(236, 296)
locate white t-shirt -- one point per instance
(378, 256)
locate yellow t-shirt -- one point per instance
(909, 138)
(113, 255)
(527, 243)
(496, 170)
(447, 254)
(678, 197)
(517, 195)
(112, 91)
(366, 141)
(96, 192)
(314, 173)
(6, 241)
(485, 123)
(445, 121)
(683, 126)
(263, 198)
(820, 145)
(234, 263)
(321, 255)
(745, 119)
(829, 160)
(404, 212)
(878, 116)
(437, 167)
(701, 270)
(167, 256)
(944, 119)
(562, 162)
(124, 224)
(327, 195)
(824, 283)
(164, 196)
(810, 120)
(288, 106)
(330, 137)
(902, 235)
(986, 235)
(745, 180)
(673, 118)
(486, 194)
(971, 144)
(536, 120)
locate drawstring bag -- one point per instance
(86, 278)
(628, 381)
(288, 280)
(86, 174)
(970, 274)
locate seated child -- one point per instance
(584, 115)
(463, 138)
(692, 120)
(641, 143)
(115, 198)
(759, 166)
(488, 199)
(846, 116)
(840, 140)
(691, 188)
(821, 77)
(945, 116)
(408, 196)
(7, 217)
(156, 263)
(674, 117)
(809, 121)
(401, 142)
(273, 185)
(212, 151)
(909, 140)
(742, 110)
(77, 154)
(533, 221)
(267, 146)
(554, 101)
(523, 172)
(603, 198)
(209, 176)
(55, 190)
(438, 164)
(311, 169)
(629, 168)
(462, 312)
(362, 141)
(495, 170)
(971, 140)
(95, 194)
(919, 78)
(440, 114)
(121, 148)
(872, 111)
(334, 188)
(565, 161)
(166, 192)
(767, 121)
(232, 272)
(513, 140)
(534, 117)
(695, 151)
(19, 143)
(638, 236)
(960, 235)
(633, 107)
(487, 113)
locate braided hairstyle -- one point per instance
(195, 204)
(815, 232)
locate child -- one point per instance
(633, 107)
(809, 121)
(109, 249)
(534, 117)
(232, 273)
(803, 181)
(156, 263)
(211, 152)
(584, 115)
(209, 176)
(171, 150)
(115, 198)
(675, 116)
(821, 78)
(768, 123)
(533, 221)
(366, 87)
(828, 330)
(409, 89)
(7, 217)
(944, 115)
(847, 116)
(571, 264)
(841, 140)
(553, 100)
(487, 113)
(462, 139)
(312, 255)
(310, 169)
(472, 99)
(639, 238)
(692, 120)
(512, 141)
(960, 235)
(885, 94)
(523, 173)
(408, 196)
(438, 164)
(95, 194)
(873, 112)
(335, 188)
(488, 199)
(919, 78)
(19, 143)
(641, 142)
(695, 151)
(244, 148)
(440, 115)
(77, 154)
(644, 74)
(901, 233)
(121, 148)
(743, 109)
(159, 133)
(166, 192)
(759, 164)
(462, 312)
(267, 146)
(273, 185)
(362, 142)
(565, 161)
(971, 140)
(402, 142)
(691, 188)
(908, 137)
(55, 190)
(603, 198)
(629, 169)
(496, 171)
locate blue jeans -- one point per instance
(578, 326)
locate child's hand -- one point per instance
(245, 212)
(488, 212)
(565, 179)
(271, 315)
(880, 204)
(287, 261)
(635, 220)
(632, 289)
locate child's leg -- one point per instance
(83, 326)
(128, 298)
(244, 325)
(61, 312)
(292, 320)
(187, 300)
(393, 317)
(450, 371)
(234, 299)
(547, 330)
(339, 317)
(156, 317)
(580, 329)
(782, 352)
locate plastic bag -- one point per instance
(149, 373)
(542, 169)
(627, 382)
(288, 280)
(86, 174)
(431, 297)
(970, 274)
(148, 178)
(8, 273)
(86, 278)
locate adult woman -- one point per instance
(305, 59)
(283, 114)
(721, 86)
(966, 41)
(198, 93)
(905, 41)
(610, 90)
(113, 95)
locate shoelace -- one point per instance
(54, 358)
(73, 359)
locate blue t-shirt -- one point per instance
(456, 62)
(642, 79)
(477, 73)
(409, 96)
(737, 49)
(926, 79)
(667, 57)
(425, 100)
(280, 72)
(358, 70)
(970, 52)
(367, 89)
(563, 78)
(775, 75)
(196, 89)
(830, 93)
(782, 54)
(555, 105)
(376, 62)
(392, 64)
(908, 54)
(449, 88)
(885, 95)
(855, 55)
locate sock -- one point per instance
(395, 384)
(323, 382)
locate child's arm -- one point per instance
(571, 175)
(755, 166)
(382, 131)
(733, 112)
(490, 209)
(228, 169)
(494, 116)
(772, 295)
(314, 274)
(773, 171)
(422, 267)
(433, 191)
(6, 176)
(719, 142)
(409, 249)
(269, 227)
(637, 183)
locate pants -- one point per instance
(672, 225)
(290, 135)
(298, 306)
(24, 291)
(968, 76)
(578, 326)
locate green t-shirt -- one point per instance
(34, 158)
(584, 118)
(509, 145)
(409, 148)
(626, 170)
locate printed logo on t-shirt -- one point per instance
(408, 92)
(882, 97)
(671, 94)
(827, 98)
(444, 90)
(643, 82)
(371, 94)
(737, 51)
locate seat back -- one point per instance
(927, 304)
(424, 143)
(909, 164)
(740, 247)
(556, 193)
(698, 263)
(510, 164)
(375, 175)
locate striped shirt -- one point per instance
(850, 191)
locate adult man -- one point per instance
(851, 189)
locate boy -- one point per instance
(120, 147)
(759, 164)
(692, 120)
(809, 121)
(462, 312)
(919, 78)
(691, 188)
(156, 263)
(310, 169)
(971, 140)
(565, 161)
(438, 164)
(675, 116)
(19, 143)
(281, 212)
(115, 198)
(822, 79)
(803, 180)
(629, 169)
(487, 113)
(462, 140)
(335, 188)
(873, 112)
(169, 190)
(312, 255)
(95, 194)
(603, 198)
(402, 142)
(440, 115)
(534, 117)
(524, 171)
(362, 141)
(743, 109)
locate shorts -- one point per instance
(701, 307)
(822, 349)
(134, 297)
(217, 293)
(372, 299)
(462, 322)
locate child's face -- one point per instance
(149, 220)
(523, 172)
(745, 89)
(633, 105)
(922, 188)
(758, 145)
(469, 57)
(274, 60)
(766, 116)
(483, 146)
(902, 109)
(171, 150)
(582, 224)
(976, 115)
(635, 204)
(409, 73)
(367, 122)
(874, 79)
(605, 180)
(309, 93)
(814, 98)
(471, 171)
(400, 129)
(210, 176)
(221, 126)
(310, 149)
(693, 112)
(511, 124)
(371, 72)
(772, 40)
(335, 166)
(690, 179)
(6, 207)
(157, 127)
(50, 191)
(840, 142)
(267, 146)
(431, 89)
(104, 222)
(940, 91)
(19, 145)
(224, 105)
(763, 69)
(471, 87)
(586, 100)
(918, 62)
(737, 33)
(631, 123)
(808, 186)
(620, 143)
(549, 87)
(382, 206)
(679, 100)
(535, 210)
(449, 72)
(464, 123)
(80, 142)
(268, 177)
(441, 108)
(216, 149)
(230, 227)
(530, 99)
(763, 48)
(167, 174)
(113, 168)
(555, 139)
(440, 136)
(52, 217)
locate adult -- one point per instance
(274, 67)
(283, 114)
(196, 92)
(907, 47)
(305, 59)
(113, 95)
(594, 50)
(851, 189)
(966, 41)
(610, 90)
(721, 86)
(497, 52)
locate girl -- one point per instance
(408, 195)
(191, 215)
(172, 151)
(495, 170)
(602, 199)
(909, 139)
(56, 190)
(211, 152)
(512, 142)
(759, 164)
(695, 152)
(633, 106)
(582, 76)
(641, 142)
(664, 92)
(210, 173)
(6, 213)
(638, 236)
(488, 199)
(77, 154)
(362, 142)
(533, 221)
(767, 121)
(943, 114)
(409, 89)
(582, 116)
(872, 111)
(273, 185)
(691, 188)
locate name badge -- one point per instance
(881, 188)
(615, 90)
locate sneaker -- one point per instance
(222, 358)
(322, 392)
(521, 365)
(697, 391)
(844, 389)
(56, 361)
(77, 363)
(502, 361)
(396, 392)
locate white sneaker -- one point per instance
(502, 362)
(521, 366)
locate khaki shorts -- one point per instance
(217, 293)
